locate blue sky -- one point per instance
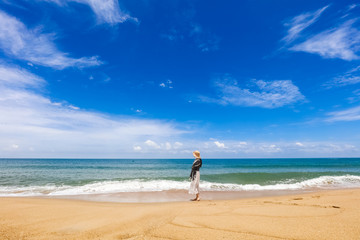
(159, 79)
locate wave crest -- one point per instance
(138, 185)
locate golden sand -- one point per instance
(322, 215)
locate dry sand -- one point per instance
(321, 215)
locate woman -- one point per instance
(195, 176)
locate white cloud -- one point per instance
(325, 147)
(297, 24)
(106, 11)
(219, 144)
(270, 148)
(15, 146)
(33, 125)
(17, 41)
(267, 94)
(18, 77)
(355, 97)
(54, 129)
(73, 107)
(137, 148)
(351, 114)
(349, 78)
(166, 84)
(280, 149)
(160, 147)
(178, 145)
(340, 42)
(352, 6)
(152, 144)
(167, 146)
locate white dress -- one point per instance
(194, 185)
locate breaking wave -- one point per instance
(138, 185)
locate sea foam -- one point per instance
(138, 185)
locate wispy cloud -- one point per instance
(205, 40)
(355, 97)
(351, 114)
(349, 78)
(298, 23)
(173, 35)
(340, 42)
(106, 11)
(234, 148)
(17, 77)
(284, 149)
(321, 147)
(265, 94)
(17, 41)
(352, 6)
(190, 30)
(166, 84)
(39, 126)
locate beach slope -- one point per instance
(320, 215)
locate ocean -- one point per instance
(76, 177)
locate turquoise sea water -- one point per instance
(56, 177)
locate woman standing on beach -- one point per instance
(195, 176)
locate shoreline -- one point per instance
(333, 214)
(175, 195)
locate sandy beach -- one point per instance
(320, 215)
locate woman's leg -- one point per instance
(198, 186)
(194, 187)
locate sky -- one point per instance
(162, 78)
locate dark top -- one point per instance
(195, 167)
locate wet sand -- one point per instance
(317, 215)
(175, 196)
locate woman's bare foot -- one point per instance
(197, 198)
